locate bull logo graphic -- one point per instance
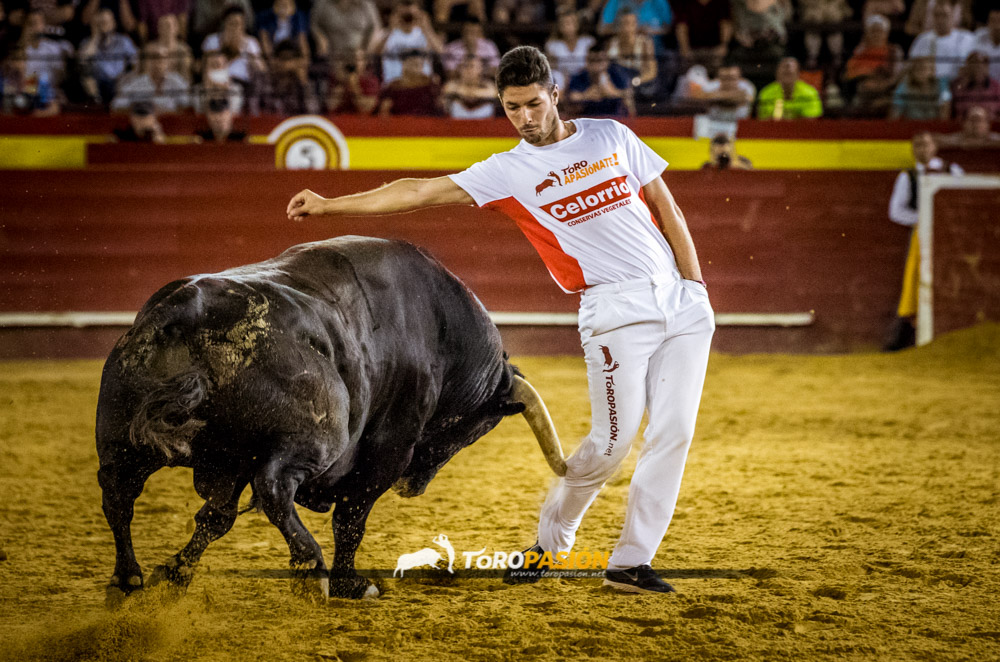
(426, 556)
(548, 182)
(610, 365)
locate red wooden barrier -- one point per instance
(104, 240)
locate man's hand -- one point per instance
(304, 203)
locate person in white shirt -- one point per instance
(945, 44)
(588, 194)
(246, 59)
(166, 90)
(567, 48)
(903, 210)
(409, 30)
(988, 42)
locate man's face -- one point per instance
(221, 122)
(167, 27)
(104, 22)
(284, 8)
(729, 77)
(413, 65)
(876, 35)
(533, 111)
(156, 62)
(233, 25)
(924, 148)
(719, 149)
(34, 25)
(788, 72)
(471, 33)
(942, 18)
(629, 24)
(977, 123)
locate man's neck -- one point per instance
(562, 131)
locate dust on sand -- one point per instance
(855, 496)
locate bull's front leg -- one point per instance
(275, 486)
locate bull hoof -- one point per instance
(174, 573)
(353, 588)
(118, 591)
(310, 582)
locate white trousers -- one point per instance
(646, 345)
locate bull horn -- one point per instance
(540, 423)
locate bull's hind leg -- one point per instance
(275, 486)
(121, 484)
(213, 521)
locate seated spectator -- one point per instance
(409, 30)
(921, 95)
(654, 17)
(921, 17)
(634, 53)
(453, 11)
(215, 81)
(788, 97)
(518, 12)
(760, 34)
(947, 46)
(122, 10)
(974, 87)
(567, 48)
(207, 16)
(56, 15)
(179, 56)
(220, 123)
(413, 92)
(474, 43)
(730, 96)
(150, 21)
(287, 91)
(340, 27)
(976, 131)
(814, 13)
(988, 42)
(143, 125)
(21, 94)
(874, 69)
(283, 22)
(704, 29)
(156, 85)
(472, 95)
(602, 88)
(104, 57)
(723, 156)
(242, 50)
(45, 59)
(354, 87)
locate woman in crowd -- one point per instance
(974, 87)
(178, 53)
(633, 51)
(470, 96)
(920, 95)
(874, 69)
(567, 48)
(242, 50)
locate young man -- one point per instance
(589, 197)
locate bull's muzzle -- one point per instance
(540, 423)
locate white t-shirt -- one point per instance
(397, 43)
(239, 68)
(949, 52)
(579, 202)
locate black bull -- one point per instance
(321, 377)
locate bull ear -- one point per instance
(540, 423)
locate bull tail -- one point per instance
(165, 420)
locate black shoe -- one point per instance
(528, 573)
(640, 579)
(901, 335)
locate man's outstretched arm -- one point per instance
(401, 195)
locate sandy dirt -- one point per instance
(833, 508)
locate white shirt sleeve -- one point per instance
(646, 164)
(899, 209)
(921, 45)
(485, 181)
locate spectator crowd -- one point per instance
(724, 59)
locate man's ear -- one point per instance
(555, 95)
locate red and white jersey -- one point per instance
(579, 202)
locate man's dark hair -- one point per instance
(230, 10)
(523, 66)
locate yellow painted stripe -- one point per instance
(30, 152)
(437, 153)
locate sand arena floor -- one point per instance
(833, 508)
